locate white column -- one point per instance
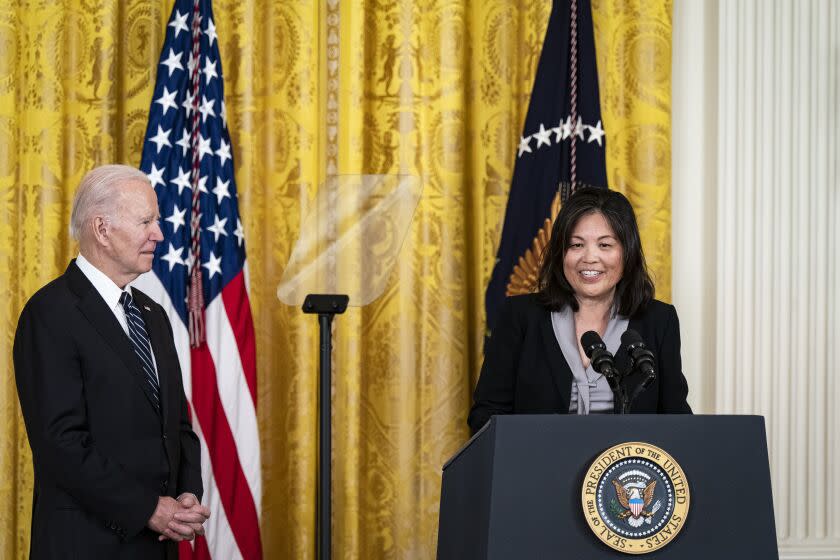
(693, 160)
(763, 155)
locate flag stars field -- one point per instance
(204, 148)
(184, 142)
(173, 62)
(563, 131)
(167, 100)
(191, 63)
(182, 181)
(218, 227)
(177, 218)
(240, 235)
(161, 139)
(189, 104)
(179, 23)
(524, 145)
(206, 108)
(221, 190)
(188, 262)
(210, 31)
(209, 70)
(223, 152)
(213, 265)
(596, 134)
(173, 256)
(543, 137)
(155, 176)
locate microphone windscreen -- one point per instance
(631, 338)
(591, 340)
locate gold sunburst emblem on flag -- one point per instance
(525, 276)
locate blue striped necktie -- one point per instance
(140, 342)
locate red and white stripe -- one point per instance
(636, 508)
(220, 385)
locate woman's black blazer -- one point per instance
(524, 371)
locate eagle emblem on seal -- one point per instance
(635, 496)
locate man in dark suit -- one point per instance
(117, 464)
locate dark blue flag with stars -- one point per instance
(562, 147)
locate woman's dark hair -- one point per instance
(635, 289)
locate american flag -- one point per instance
(200, 276)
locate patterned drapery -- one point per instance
(433, 88)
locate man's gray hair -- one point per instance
(96, 195)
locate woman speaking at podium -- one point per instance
(593, 278)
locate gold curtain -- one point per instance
(435, 88)
(633, 47)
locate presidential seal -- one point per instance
(635, 497)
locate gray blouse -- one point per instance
(590, 390)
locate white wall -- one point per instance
(756, 201)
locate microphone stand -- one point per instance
(624, 402)
(620, 392)
(616, 381)
(638, 390)
(327, 306)
(627, 399)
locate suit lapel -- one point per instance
(560, 372)
(96, 311)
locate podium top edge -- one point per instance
(519, 418)
(470, 441)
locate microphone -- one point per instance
(596, 351)
(641, 356)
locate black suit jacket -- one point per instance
(524, 371)
(102, 452)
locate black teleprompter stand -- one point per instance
(326, 306)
